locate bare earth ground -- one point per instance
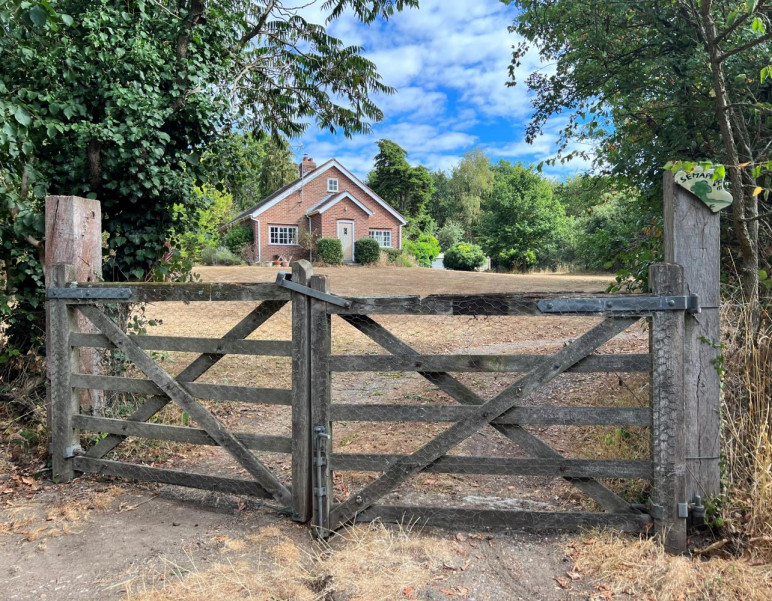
(96, 538)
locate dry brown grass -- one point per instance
(363, 563)
(620, 566)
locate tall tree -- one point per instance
(647, 82)
(408, 189)
(118, 100)
(470, 183)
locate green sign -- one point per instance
(701, 183)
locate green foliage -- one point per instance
(450, 234)
(397, 258)
(238, 237)
(329, 250)
(219, 256)
(249, 167)
(464, 257)
(424, 249)
(406, 188)
(367, 251)
(522, 221)
(212, 211)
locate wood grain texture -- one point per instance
(667, 405)
(274, 444)
(692, 239)
(179, 395)
(486, 519)
(61, 360)
(212, 392)
(533, 445)
(553, 416)
(198, 367)
(302, 485)
(198, 292)
(404, 468)
(503, 466)
(214, 346)
(232, 486)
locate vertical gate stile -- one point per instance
(302, 485)
(669, 508)
(321, 396)
(62, 359)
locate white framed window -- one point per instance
(332, 184)
(283, 234)
(383, 237)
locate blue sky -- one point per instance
(448, 61)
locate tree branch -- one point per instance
(753, 43)
(255, 31)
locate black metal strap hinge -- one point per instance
(284, 280)
(690, 304)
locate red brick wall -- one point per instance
(292, 210)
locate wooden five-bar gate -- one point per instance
(308, 497)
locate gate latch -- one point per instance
(284, 279)
(320, 461)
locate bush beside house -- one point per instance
(367, 251)
(329, 250)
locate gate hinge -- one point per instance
(73, 451)
(658, 511)
(320, 492)
(284, 279)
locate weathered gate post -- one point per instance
(692, 240)
(667, 406)
(74, 237)
(301, 396)
(62, 360)
(321, 390)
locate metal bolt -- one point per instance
(359, 499)
(671, 303)
(556, 366)
(550, 305)
(609, 304)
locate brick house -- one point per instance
(328, 201)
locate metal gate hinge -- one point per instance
(320, 492)
(284, 279)
(620, 304)
(656, 511)
(73, 451)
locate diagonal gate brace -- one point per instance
(284, 280)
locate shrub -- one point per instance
(450, 234)
(464, 257)
(425, 249)
(329, 250)
(367, 251)
(237, 238)
(395, 256)
(219, 256)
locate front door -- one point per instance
(346, 237)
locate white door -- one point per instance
(346, 237)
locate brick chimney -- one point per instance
(307, 165)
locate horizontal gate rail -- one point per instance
(211, 346)
(172, 292)
(212, 392)
(547, 416)
(133, 471)
(88, 423)
(505, 519)
(503, 466)
(638, 305)
(627, 363)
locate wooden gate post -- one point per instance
(667, 406)
(61, 361)
(692, 239)
(321, 396)
(74, 237)
(302, 450)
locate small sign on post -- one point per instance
(703, 185)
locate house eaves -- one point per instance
(326, 203)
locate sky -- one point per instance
(448, 61)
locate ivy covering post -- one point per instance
(692, 240)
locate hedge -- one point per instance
(464, 257)
(329, 250)
(367, 251)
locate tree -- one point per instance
(647, 82)
(521, 218)
(118, 101)
(249, 167)
(470, 183)
(406, 188)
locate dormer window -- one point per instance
(332, 184)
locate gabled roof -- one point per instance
(332, 200)
(282, 193)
